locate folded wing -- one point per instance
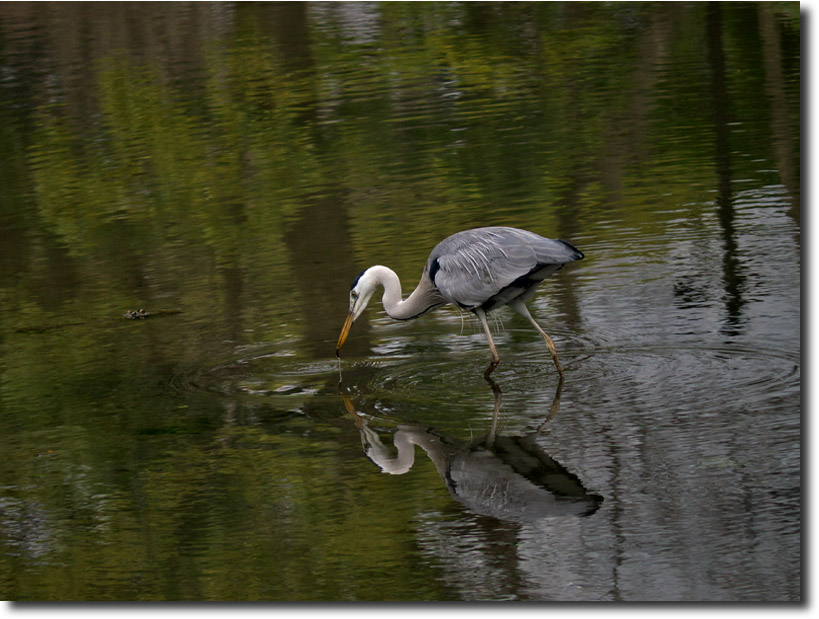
(488, 267)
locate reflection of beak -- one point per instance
(344, 331)
(348, 404)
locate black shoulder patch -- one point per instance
(357, 277)
(433, 269)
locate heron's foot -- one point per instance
(554, 409)
(559, 367)
(553, 351)
(491, 368)
(496, 390)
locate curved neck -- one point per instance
(423, 298)
(382, 456)
(404, 441)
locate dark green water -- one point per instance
(230, 168)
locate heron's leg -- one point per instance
(493, 430)
(555, 408)
(521, 309)
(495, 356)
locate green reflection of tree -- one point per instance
(189, 193)
(539, 116)
(174, 190)
(588, 113)
(190, 517)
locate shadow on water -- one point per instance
(505, 476)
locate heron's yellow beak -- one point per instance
(344, 331)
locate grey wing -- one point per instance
(471, 267)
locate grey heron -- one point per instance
(478, 270)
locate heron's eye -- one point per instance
(353, 295)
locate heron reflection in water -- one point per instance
(478, 270)
(507, 477)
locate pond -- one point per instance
(189, 191)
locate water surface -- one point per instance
(230, 168)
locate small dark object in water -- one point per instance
(136, 314)
(141, 313)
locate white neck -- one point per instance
(424, 297)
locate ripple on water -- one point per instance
(705, 377)
(655, 376)
(262, 374)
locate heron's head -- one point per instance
(361, 291)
